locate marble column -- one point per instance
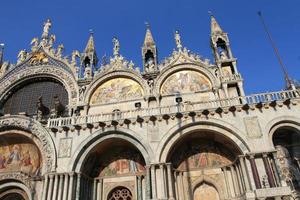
(182, 195)
(95, 190)
(170, 181)
(70, 195)
(55, 187)
(176, 184)
(45, 187)
(50, 189)
(153, 177)
(148, 182)
(139, 188)
(61, 176)
(224, 170)
(245, 174)
(99, 190)
(240, 178)
(234, 180)
(268, 170)
(255, 172)
(275, 169)
(163, 181)
(66, 186)
(77, 193)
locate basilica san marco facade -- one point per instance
(180, 128)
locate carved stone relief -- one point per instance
(253, 127)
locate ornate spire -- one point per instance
(148, 37)
(1, 53)
(90, 46)
(215, 27)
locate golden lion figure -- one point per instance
(39, 58)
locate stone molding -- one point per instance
(18, 176)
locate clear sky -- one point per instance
(71, 20)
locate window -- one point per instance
(24, 97)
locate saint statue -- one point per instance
(116, 46)
(47, 26)
(178, 40)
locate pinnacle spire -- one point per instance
(148, 37)
(215, 27)
(90, 46)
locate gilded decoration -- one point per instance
(116, 90)
(185, 81)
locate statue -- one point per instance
(22, 56)
(149, 65)
(34, 42)
(47, 26)
(75, 54)
(116, 46)
(59, 109)
(178, 40)
(60, 49)
(51, 41)
(42, 110)
(223, 55)
(5, 66)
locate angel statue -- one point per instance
(178, 40)
(60, 49)
(51, 41)
(75, 54)
(22, 56)
(34, 44)
(47, 26)
(116, 46)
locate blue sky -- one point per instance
(71, 20)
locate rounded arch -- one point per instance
(281, 122)
(77, 159)
(175, 134)
(35, 131)
(11, 184)
(170, 70)
(102, 78)
(11, 80)
(120, 192)
(210, 181)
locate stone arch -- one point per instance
(280, 122)
(16, 185)
(46, 71)
(36, 132)
(102, 78)
(168, 71)
(88, 144)
(220, 127)
(210, 181)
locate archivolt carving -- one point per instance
(48, 150)
(19, 177)
(63, 76)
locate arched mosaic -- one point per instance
(185, 81)
(115, 90)
(18, 154)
